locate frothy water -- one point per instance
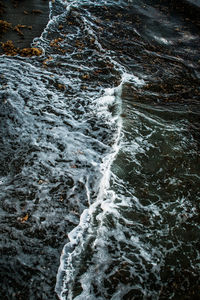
(100, 154)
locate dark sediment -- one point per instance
(20, 22)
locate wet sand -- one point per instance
(27, 19)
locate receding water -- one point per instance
(99, 160)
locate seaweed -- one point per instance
(9, 49)
(4, 26)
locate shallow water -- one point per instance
(100, 153)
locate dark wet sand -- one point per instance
(34, 14)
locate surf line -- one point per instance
(81, 234)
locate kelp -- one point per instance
(10, 49)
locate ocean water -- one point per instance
(99, 156)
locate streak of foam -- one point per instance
(80, 236)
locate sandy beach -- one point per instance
(22, 21)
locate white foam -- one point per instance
(77, 235)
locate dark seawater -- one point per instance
(99, 154)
